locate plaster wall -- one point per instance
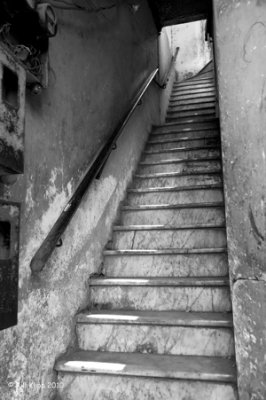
(166, 52)
(194, 51)
(97, 61)
(240, 42)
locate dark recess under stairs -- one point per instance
(160, 323)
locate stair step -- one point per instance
(183, 144)
(192, 101)
(159, 318)
(148, 365)
(158, 332)
(161, 294)
(190, 107)
(168, 237)
(165, 180)
(193, 119)
(74, 386)
(176, 152)
(193, 96)
(174, 196)
(191, 215)
(186, 134)
(185, 128)
(195, 85)
(184, 138)
(196, 79)
(181, 92)
(142, 264)
(180, 165)
(190, 113)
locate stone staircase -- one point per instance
(160, 323)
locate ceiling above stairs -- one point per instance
(171, 12)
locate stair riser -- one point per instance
(191, 107)
(177, 180)
(104, 387)
(183, 265)
(182, 197)
(193, 166)
(185, 127)
(214, 299)
(192, 96)
(194, 93)
(184, 154)
(194, 85)
(185, 135)
(205, 142)
(168, 239)
(156, 339)
(174, 217)
(196, 101)
(191, 113)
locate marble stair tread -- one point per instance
(129, 252)
(197, 159)
(173, 174)
(194, 84)
(192, 101)
(209, 132)
(192, 124)
(200, 368)
(183, 139)
(162, 282)
(190, 113)
(184, 149)
(188, 87)
(194, 226)
(191, 121)
(181, 91)
(177, 188)
(193, 96)
(193, 81)
(172, 206)
(161, 318)
(192, 107)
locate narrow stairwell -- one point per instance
(160, 324)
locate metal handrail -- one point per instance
(52, 239)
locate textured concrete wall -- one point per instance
(96, 63)
(194, 52)
(240, 37)
(166, 52)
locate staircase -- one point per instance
(160, 324)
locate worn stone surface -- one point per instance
(111, 388)
(249, 298)
(89, 89)
(174, 217)
(174, 197)
(156, 339)
(167, 265)
(241, 57)
(162, 298)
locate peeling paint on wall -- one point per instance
(96, 65)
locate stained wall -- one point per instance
(240, 41)
(97, 62)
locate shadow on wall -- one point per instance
(194, 51)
